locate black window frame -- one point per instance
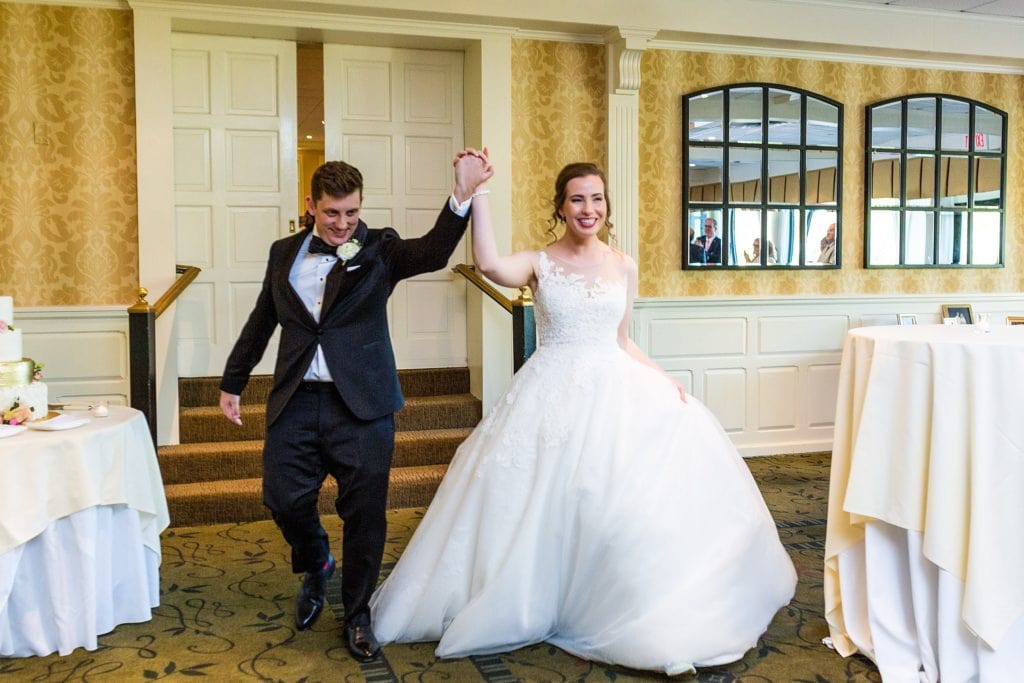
(937, 152)
(726, 206)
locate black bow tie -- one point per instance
(318, 246)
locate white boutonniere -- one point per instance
(346, 252)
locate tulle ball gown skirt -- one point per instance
(594, 510)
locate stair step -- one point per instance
(194, 392)
(214, 475)
(241, 500)
(213, 460)
(210, 461)
(207, 423)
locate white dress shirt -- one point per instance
(308, 277)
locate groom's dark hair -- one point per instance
(336, 179)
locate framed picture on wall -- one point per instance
(961, 311)
(906, 319)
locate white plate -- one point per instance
(54, 424)
(11, 430)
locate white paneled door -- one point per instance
(396, 115)
(234, 177)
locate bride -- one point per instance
(597, 506)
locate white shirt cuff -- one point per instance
(461, 210)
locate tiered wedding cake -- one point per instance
(17, 385)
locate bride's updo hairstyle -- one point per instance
(579, 169)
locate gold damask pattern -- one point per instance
(668, 75)
(68, 216)
(559, 115)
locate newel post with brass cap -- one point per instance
(524, 329)
(142, 358)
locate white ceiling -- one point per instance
(997, 8)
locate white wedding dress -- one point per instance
(591, 509)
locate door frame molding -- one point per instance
(487, 93)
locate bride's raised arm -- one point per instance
(513, 270)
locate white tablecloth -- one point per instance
(81, 512)
(928, 467)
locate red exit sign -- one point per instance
(979, 141)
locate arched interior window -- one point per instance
(763, 182)
(936, 179)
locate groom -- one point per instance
(335, 391)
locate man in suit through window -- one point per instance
(711, 242)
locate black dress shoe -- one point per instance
(361, 642)
(310, 600)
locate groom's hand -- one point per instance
(231, 406)
(471, 170)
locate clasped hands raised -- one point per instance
(472, 169)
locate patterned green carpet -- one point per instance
(226, 614)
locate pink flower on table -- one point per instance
(17, 415)
(3, 326)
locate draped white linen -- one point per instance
(924, 552)
(81, 513)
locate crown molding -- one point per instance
(560, 36)
(94, 4)
(837, 55)
(306, 24)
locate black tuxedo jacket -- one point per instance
(353, 327)
(714, 253)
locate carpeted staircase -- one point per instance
(213, 476)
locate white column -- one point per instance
(624, 48)
(154, 128)
(488, 117)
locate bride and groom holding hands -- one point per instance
(596, 507)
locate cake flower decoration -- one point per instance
(17, 414)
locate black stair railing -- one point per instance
(524, 329)
(142, 343)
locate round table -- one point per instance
(924, 553)
(81, 511)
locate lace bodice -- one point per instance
(581, 306)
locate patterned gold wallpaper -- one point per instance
(68, 217)
(668, 75)
(558, 117)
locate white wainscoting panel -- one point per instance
(778, 404)
(768, 368)
(726, 389)
(698, 337)
(84, 351)
(800, 334)
(822, 387)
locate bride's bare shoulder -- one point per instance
(623, 259)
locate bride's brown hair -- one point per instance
(579, 169)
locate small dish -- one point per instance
(11, 430)
(57, 423)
